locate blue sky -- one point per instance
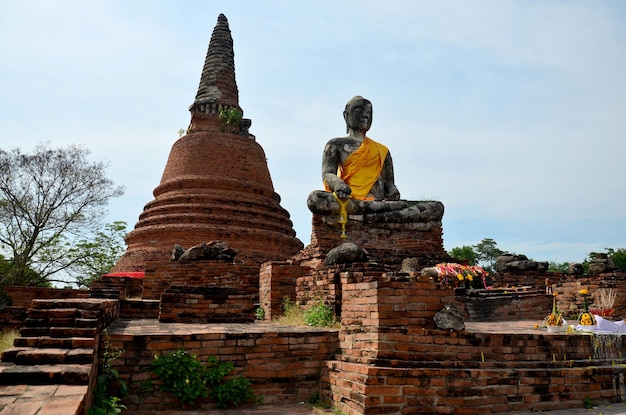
(511, 113)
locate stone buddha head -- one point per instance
(358, 114)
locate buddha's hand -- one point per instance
(343, 191)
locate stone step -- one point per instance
(57, 312)
(60, 342)
(8, 355)
(34, 331)
(78, 303)
(73, 332)
(35, 322)
(51, 355)
(49, 313)
(59, 331)
(65, 374)
(86, 323)
(61, 322)
(105, 293)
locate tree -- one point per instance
(562, 267)
(466, 253)
(47, 199)
(485, 253)
(4, 266)
(488, 253)
(96, 256)
(618, 256)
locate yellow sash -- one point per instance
(363, 167)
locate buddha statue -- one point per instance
(356, 166)
(357, 173)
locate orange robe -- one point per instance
(363, 167)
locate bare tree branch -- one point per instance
(48, 199)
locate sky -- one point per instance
(512, 113)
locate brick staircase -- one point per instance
(58, 345)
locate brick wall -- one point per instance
(393, 360)
(381, 312)
(136, 309)
(567, 287)
(525, 279)
(501, 305)
(284, 366)
(12, 318)
(209, 273)
(321, 284)
(189, 304)
(482, 388)
(569, 300)
(22, 296)
(277, 280)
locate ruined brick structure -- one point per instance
(216, 184)
(386, 357)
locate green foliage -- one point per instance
(146, 385)
(466, 253)
(321, 403)
(259, 313)
(618, 256)
(230, 119)
(111, 406)
(188, 379)
(587, 402)
(558, 267)
(485, 253)
(182, 375)
(104, 403)
(319, 315)
(29, 274)
(315, 399)
(488, 253)
(97, 255)
(234, 392)
(292, 315)
(217, 371)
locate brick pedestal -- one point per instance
(386, 243)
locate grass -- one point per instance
(292, 316)
(318, 314)
(6, 339)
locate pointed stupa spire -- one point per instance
(218, 87)
(216, 185)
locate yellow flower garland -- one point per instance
(343, 215)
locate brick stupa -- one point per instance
(216, 184)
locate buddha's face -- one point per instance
(359, 116)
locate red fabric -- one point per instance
(126, 274)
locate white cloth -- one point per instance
(604, 326)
